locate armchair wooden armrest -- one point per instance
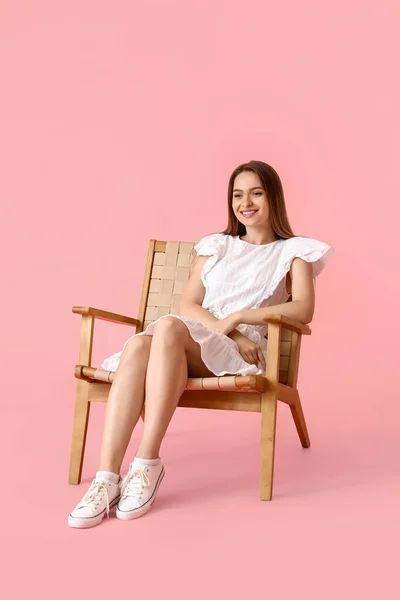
(104, 315)
(288, 323)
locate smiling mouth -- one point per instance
(248, 213)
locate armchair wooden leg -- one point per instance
(81, 420)
(300, 422)
(269, 401)
(268, 429)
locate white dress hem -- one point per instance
(213, 344)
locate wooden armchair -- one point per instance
(167, 270)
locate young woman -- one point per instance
(238, 277)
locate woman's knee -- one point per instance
(139, 344)
(171, 330)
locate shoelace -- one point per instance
(95, 494)
(134, 483)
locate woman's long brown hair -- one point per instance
(272, 185)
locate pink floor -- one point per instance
(331, 531)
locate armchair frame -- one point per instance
(169, 262)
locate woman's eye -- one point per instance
(255, 193)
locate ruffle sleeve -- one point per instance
(311, 250)
(212, 245)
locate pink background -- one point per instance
(122, 122)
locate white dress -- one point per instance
(239, 275)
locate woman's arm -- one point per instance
(193, 294)
(302, 305)
(192, 297)
(301, 308)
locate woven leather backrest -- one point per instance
(167, 271)
(169, 274)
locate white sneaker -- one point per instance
(102, 495)
(139, 489)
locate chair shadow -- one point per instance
(298, 471)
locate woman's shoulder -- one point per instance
(213, 236)
(211, 243)
(308, 249)
(301, 243)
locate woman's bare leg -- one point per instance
(125, 402)
(173, 355)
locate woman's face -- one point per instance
(249, 200)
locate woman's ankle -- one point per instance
(147, 455)
(110, 475)
(109, 467)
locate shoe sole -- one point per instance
(86, 523)
(138, 512)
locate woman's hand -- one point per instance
(249, 350)
(227, 324)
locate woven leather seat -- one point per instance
(240, 383)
